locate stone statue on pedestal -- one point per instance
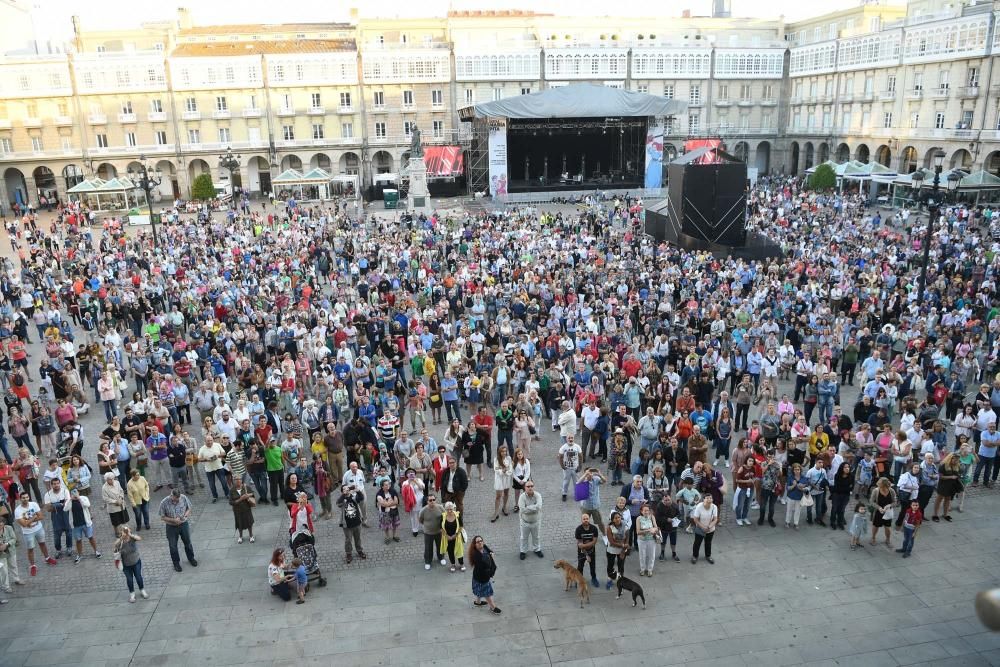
(416, 148)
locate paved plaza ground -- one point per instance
(773, 597)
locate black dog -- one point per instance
(626, 584)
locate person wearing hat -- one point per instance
(175, 511)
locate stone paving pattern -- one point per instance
(774, 597)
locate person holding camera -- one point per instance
(350, 503)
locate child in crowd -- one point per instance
(859, 525)
(866, 474)
(688, 499)
(301, 579)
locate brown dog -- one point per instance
(573, 576)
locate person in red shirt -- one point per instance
(911, 523)
(484, 426)
(19, 354)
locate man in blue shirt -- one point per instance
(449, 393)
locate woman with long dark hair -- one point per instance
(483, 569)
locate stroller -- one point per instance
(303, 545)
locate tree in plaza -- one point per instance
(203, 188)
(824, 178)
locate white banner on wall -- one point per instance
(498, 156)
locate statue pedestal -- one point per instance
(418, 200)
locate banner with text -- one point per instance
(498, 156)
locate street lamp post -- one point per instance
(933, 200)
(146, 179)
(231, 163)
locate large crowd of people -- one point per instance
(375, 370)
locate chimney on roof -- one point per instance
(721, 9)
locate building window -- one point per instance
(914, 120)
(194, 136)
(252, 102)
(668, 91)
(765, 121)
(286, 102)
(224, 135)
(723, 92)
(408, 128)
(943, 77)
(221, 104)
(768, 92)
(470, 97)
(127, 107)
(345, 100)
(161, 138)
(869, 85)
(130, 139)
(288, 132)
(745, 92)
(694, 123)
(642, 88)
(156, 106)
(6, 146)
(966, 119)
(318, 131)
(887, 119)
(102, 141)
(191, 104)
(230, 74)
(379, 99)
(407, 98)
(36, 144)
(380, 130)
(63, 108)
(437, 129)
(972, 77)
(695, 95)
(497, 94)
(437, 98)
(315, 101)
(347, 130)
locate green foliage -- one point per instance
(202, 188)
(824, 178)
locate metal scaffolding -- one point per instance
(478, 178)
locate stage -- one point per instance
(572, 186)
(574, 153)
(568, 138)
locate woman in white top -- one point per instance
(704, 517)
(241, 411)
(503, 479)
(522, 473)
(964, 424)
(907, 489)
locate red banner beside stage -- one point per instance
(443, 161)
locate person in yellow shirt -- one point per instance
(138, 492)
(818, 442)
(430, 366)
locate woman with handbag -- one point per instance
(128, 560)
(242, 501)
(483, 568)
(522, 473)
(907, 488)
(883, 501)
(949, 484)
